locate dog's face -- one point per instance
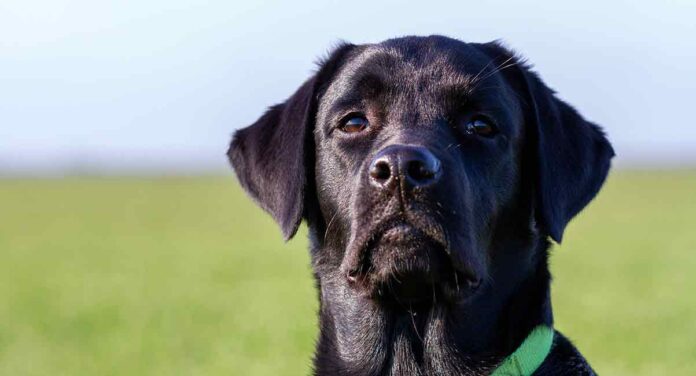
(416, 155)
(413, 158)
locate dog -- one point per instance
(433, 175)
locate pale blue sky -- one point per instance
(119, 85)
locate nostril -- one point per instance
(380, 171)
(419, 171)
(413, 166)
(423, 169)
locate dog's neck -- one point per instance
(361, 337)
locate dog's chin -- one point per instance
(411, 270)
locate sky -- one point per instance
(148, 86)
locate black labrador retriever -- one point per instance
(431, 173)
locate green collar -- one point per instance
(529, 356)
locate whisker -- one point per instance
(413, 321)
(326, 232)
(503, 65)
(456, 280)
(500, 69)
(473, 80)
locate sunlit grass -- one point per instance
(185, 276)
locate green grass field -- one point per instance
(184, 276)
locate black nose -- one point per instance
(416, 166)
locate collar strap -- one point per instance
(529, 356)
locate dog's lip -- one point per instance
(359, 248)
(455, 285)
(391, 230)
(423, 226)
(398, 233)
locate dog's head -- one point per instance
(411, 159)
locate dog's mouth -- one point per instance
(398, 230)
(407, 263)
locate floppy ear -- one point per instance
(271, 156)
(572, 155)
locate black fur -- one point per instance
(443, 278)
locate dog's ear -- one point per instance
(272, 156)
(571, 156)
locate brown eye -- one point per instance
(354, 124)
(481, 127)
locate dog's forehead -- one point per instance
(410, 64)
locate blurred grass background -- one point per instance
(185, 276)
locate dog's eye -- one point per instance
(354, 124)
(481, 127)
